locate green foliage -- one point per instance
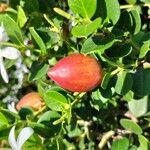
(14, 32)
(131, 126)
(122, 144)
(86, 30)
(107, 9)
(141, 82)
(21, 17)
(124, 83)
(139, 107)
(38, 70)
(113, 116)
(85, 8)
(55, 100)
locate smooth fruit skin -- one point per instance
(32, 100)
(77, 73)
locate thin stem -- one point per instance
(105, 138)
(58, 148)
(40, 111)
(78, 98)
(116, 71)
(21, 47)
(64, 14)
(109, 61)
(131, 6)
(12, 45)
(61, 119)
(51, 23)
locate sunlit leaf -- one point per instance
(139, 107)
(124, 83)
(131, 126)
(120, 144)
(21, 17)
(106, 9)
(37, 39)
(143, 143)
(12, 29)
(54, 100)
(85, 8)
(87, 29)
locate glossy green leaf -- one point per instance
(144, 49)
(143, 143)
(129, 21)
(48, 116)
(37, 39)
(141, 82)
(124, 83)
(11, 117)
(4, 132)
(139, 107)
(136, 20)
(3, 121)
(100, 97)
(38, 70)
(105, 80)
(125, 22)
(97, 44)
(33, 143)
(21, 17)
(45, 130)
(118, 50)
(120, 144)
(128, 96)
(107, 9)
(87, 29)
(131, 126)
(12, 29)
(55, 100)
(24, 112)
(141, 38)
(85, 8)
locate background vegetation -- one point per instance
(115, 115)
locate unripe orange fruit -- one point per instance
(32, 100)
(77, 73)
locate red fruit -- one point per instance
(32, 100)
(77, 73)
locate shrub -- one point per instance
(106, 109)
